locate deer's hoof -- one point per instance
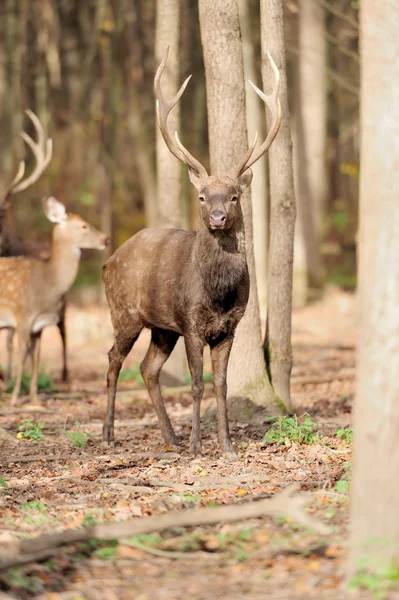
(228, 450)
(108, 436)
(107, 444)
(196, 448)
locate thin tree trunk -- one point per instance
(375, 486)
(313, 106)
(306, 223)
(259, 186)
(300, 271)
(282, 212)
(220, 34)
(168, 167)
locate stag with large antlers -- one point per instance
(10, 244)
(190, 284)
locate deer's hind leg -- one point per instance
(10, 339)
(62, 329)
(123, 343)
(162, 344)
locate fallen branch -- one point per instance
(284, 503)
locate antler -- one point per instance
(43, 151)
(163, 110)
(273, 103)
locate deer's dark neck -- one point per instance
(220, 256)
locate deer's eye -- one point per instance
(85, 227)
(234, 198)
(202, 199)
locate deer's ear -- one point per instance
(245, 179)
(195, 180)
(54, 210)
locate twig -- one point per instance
(173, 555)
(284, 503)
(33, 409)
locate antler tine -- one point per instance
(273, 103)
(163, 109)
(42, 150)
(20, 173)
(242, 165)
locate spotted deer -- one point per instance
(32, 289)
(10, 244)
(190, 284)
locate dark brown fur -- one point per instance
(180, 283)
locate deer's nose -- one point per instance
(217, 218)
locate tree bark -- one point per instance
(224, 71)
(282, 212)
(168, 167)
(375, 486)
(313, 106)
(259, 186)
(305, 234)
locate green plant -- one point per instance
(380, 582)
(31, 430)
(145, 539)
(346, 434)
(342, 486)
(131, 374)
(35, 512)
(89, 520)
(3, 482)
(107, 552)
(16, 578)
(299, 430)
(44, 382)
(79, 436)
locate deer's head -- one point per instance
(71, 229)
(219, 197)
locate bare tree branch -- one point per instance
(284, 503)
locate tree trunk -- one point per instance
(259, 187)
(313, 106)
(375, 486)
(220, 34)
(305, 234)
(168, 167)
(282, 212)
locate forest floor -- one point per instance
(66, 479)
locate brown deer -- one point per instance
(32, 289)
(194, 284)
(10, 244)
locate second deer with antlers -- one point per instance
(182, 283)
(10, 244)
(32, 289)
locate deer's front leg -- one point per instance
(195, 350)
(220, 357)
(23, 343)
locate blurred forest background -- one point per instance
(87, 68)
